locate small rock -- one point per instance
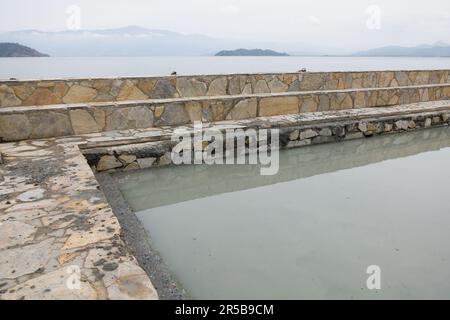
(294, 135)
(402, 124)
(110, 266)
(99, 262)
(83, 122)
(218, 87)
(132, 166)
(164, 89)
(191, 87)
(307, 134)
(244, 109)
(325, 132)
(339, 131)
(388, 127)
(166, 159)
(371, 127)
(146, 162)
(362, 127)
(445, 117)
(412, 124)
(107, 163)
(276, 86)
(127, 158)
(427, 123)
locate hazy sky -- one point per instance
(342, 24)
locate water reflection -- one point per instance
(159, 187)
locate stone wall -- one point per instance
(19, 123)
(60, 91)
(292, 135)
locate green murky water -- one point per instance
(312, 230)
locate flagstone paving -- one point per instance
(59, 239)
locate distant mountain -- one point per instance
(251, 52)
(139, 41)
(127, 41)
(8, 49)
(438, 49)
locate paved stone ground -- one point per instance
(59, 238)
(56, 228)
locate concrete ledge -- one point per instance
(144, 149)
(20, 123)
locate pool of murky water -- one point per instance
(314, 230)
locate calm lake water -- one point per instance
(312, 230)
(32, 68)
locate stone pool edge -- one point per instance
(138, 240)
(59, 238)
(144, 151)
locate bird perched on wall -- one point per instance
(173, 73)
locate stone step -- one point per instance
(68, 91)
(21, 123)
(125, 137)
(139, 149)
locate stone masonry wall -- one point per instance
(155, 154)
(20, 123)
(60, 91)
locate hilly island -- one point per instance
(8, 49)
(251, 53)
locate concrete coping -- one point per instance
(17, 81)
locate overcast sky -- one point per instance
(340, 24)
